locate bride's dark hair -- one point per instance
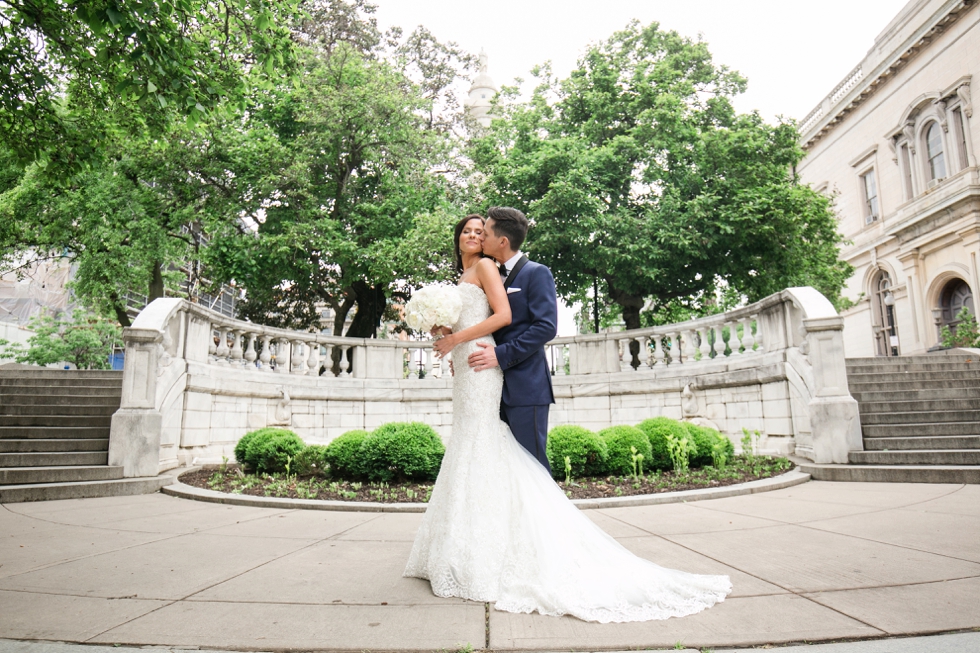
(457, 232)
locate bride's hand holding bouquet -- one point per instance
(435, 309)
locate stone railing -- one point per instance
(835, 96)
(195, 381)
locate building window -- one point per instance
(934, 152)
(870, 196)
(959, 130)
(907, 172)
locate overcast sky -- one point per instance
(793, 53)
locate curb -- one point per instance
(789, 479)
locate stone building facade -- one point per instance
(896, 143)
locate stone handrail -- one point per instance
(191, 376)
(835, 96)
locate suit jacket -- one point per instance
(520, 345)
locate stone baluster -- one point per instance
(222, 351)
(689, 349)
(733, 340)
(212, 343)
(658, 350)
(265, 358)
(314, 360)
(345, 360)
(747, 340)
(299, 355)
(282, 356)
(559, 354)
(720, 341)
(250, 354)
(675, 348)
(429, 354)
(759, 344)
(236, 355)
(705, 347)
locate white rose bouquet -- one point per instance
(433, 306)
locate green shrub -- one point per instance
(344, 455)
(242, 447)
(311, 460)
(402, 451)
(657, 430)
(709, 444)
(271, 449)
(586, 450)
(618, 440)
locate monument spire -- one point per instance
(481, 93)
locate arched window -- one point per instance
(934, 152)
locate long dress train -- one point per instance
(498, 529)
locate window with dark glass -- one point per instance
(934, 152)
(870, 197)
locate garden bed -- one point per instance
(230, 479)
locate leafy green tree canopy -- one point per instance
(641, 179)
(86, 341)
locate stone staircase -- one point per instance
(54, 436)
(920, 416)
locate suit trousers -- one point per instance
(529, 424)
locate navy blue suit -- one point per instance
(527, 393)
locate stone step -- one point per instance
(52, 373)
(893, 473)
(53, 432)
(923, 378)
(923, 406)
(56, 444)
(45, 382)
(938, 368)
(925, 428)
(42, 399)
(82, 490)
(80, 409)
(909, 386)
(54, 459)
(904, 360)
(921, 457)
(55, 420)
(58, 474)
(57, 390)
(922, 442)
(918, 394)
(916, 417)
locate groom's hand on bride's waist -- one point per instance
(483, 358)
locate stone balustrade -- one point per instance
(195, 381)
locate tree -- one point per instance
(86, 341)
(644, 183)
(143, 63)
(374, 168)
(133, 222)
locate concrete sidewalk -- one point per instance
(817, 562)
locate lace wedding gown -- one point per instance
(497, 528)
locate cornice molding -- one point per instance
(859, 84)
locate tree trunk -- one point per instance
(371, 304)
(631, 305)
(156, 282)
(119, 308)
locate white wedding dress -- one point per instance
(498, 528)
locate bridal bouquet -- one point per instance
(433, 306)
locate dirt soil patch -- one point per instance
(232, 480)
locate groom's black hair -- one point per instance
(509, 222)
(457, 232)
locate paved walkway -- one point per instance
(817, 562)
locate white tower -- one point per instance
(481, 93)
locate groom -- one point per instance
(527, 393)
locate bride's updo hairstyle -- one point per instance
(510, 223)
(457, 232)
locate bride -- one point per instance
(497, 527)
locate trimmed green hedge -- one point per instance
(344, 455)
(402, 451)
(618, 440)
(311, 460)
(705, 439)
(657, 429)
(266, 451)
(588, 452)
